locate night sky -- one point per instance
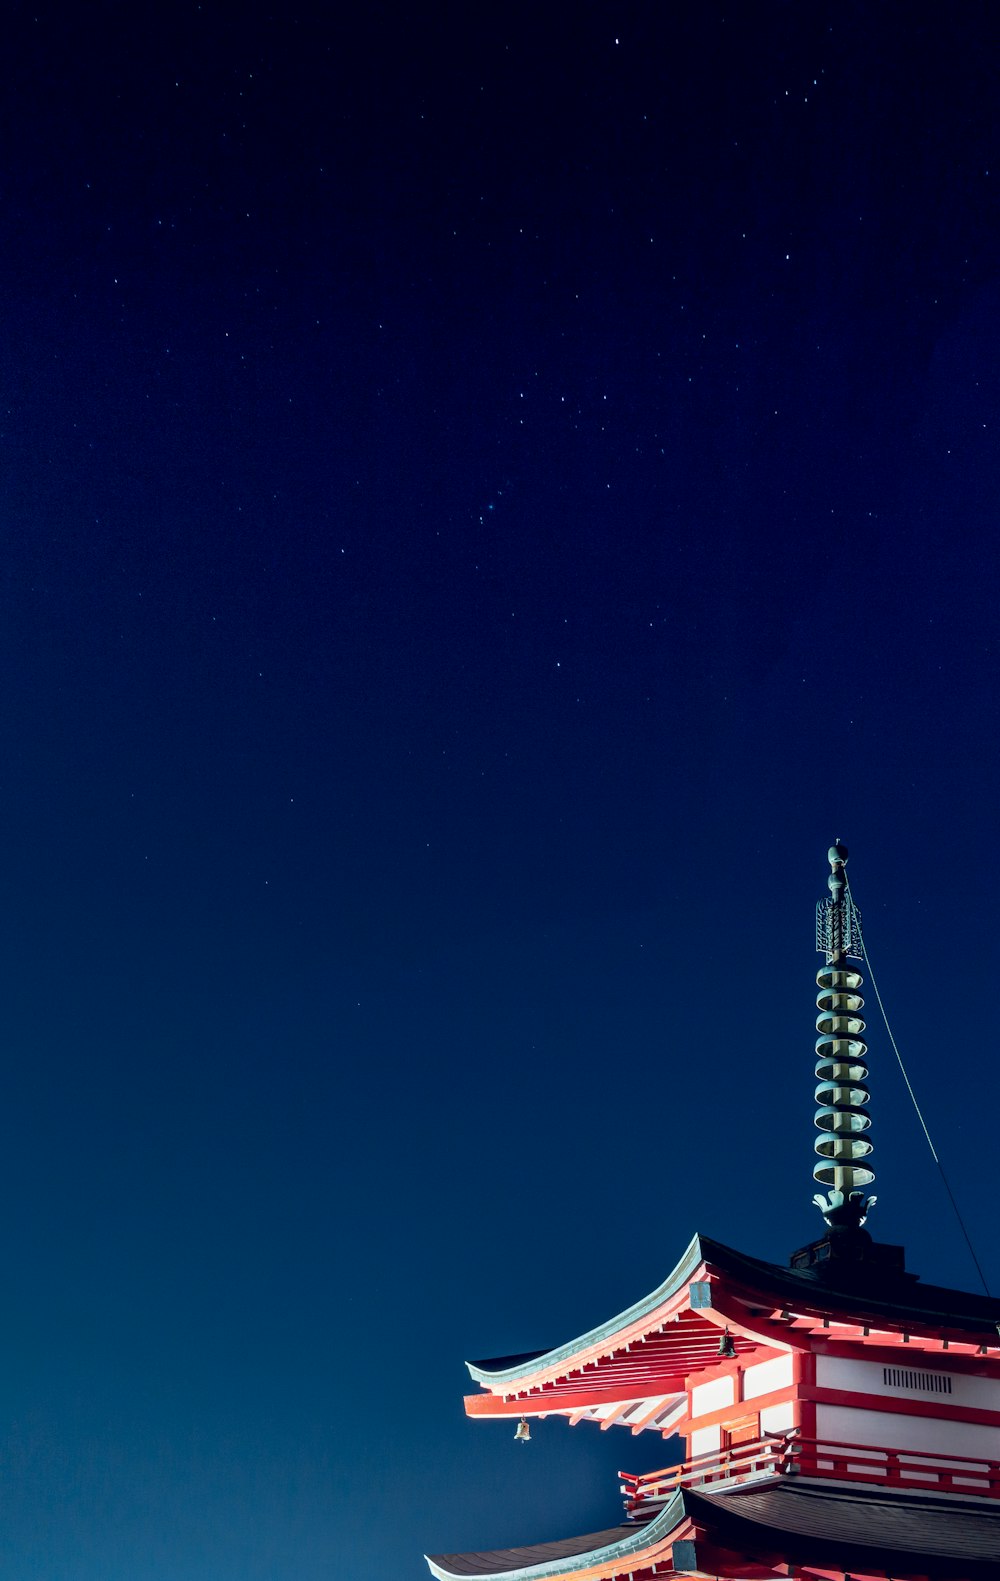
(489, 493)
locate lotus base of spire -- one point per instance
(845, 1211)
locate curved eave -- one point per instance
(639, 1546)
(508, 1379)
(761, 1303)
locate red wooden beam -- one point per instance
(751, 1407)
(892, 1406)
(572, 1400)
(964, 1361)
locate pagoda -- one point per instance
(840, 1418)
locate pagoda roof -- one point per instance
(535, 1556)
(674, 1330)
(514, 1370)
(859, 1528)
(839, 1528)
(853, 1291)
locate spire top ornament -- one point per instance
(838, 921)
(842, 1118)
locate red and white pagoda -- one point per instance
(841, 1419)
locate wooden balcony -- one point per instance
(789, 1454)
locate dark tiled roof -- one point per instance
(500, 1559)
(839, 1527)
(853, 1524)
(895, 1298)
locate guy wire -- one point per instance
(913, 1098)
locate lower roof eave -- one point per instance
(830, 1528)
(624, 1547)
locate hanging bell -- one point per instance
(522, 1432)
(727, 1348)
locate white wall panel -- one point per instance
(712, 1396)
(705, 1440)
(777, 1418)
(841, 1372)
(844, 1424)
(765, 1376)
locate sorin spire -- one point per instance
(841, 1073)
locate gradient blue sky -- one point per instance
(489, 494)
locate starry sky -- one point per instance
(489, 493)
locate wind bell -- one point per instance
(522, 1432)
(727, 1346)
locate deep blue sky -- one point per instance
(489, 494)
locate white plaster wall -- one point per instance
(843, 1424)
(767, 1375)
(712, 1396)
(777, 1418)
(705, 1440)
(839, 1372)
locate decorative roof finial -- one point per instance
(841, 1073)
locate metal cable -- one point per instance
(913, 1100)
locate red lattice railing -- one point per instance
(790, 1455)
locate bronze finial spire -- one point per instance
(841, 1073)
